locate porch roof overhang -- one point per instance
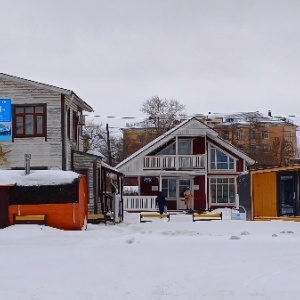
(174, 173)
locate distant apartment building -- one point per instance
(269, 140)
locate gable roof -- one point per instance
(169, 135)
(49, 88)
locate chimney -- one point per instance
(27, 163)
(269, 113)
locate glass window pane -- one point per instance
(165, 183)
(28, 125)
(19, 110)
(219, 194)
(213, 193)
(172, 188)
(39, 124)
(231, 193)
(169, 150)
(19, 124)
(28, 110)
(184, 147)
(39, 109)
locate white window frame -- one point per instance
(222, 184)
(229, 157)
(173, 146)
(167, 195)
(239, 134)
(265, 134)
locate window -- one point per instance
(239, 135)
(169, 150)
(69, 123)
(75, 126)
(252, 149)
(140, 139)
(184, 148)
(169, 188)
(265, 134)
(219, 160)
(252, 134)
(226, 135)
(265, 148)
(222, 190)
(29, 120)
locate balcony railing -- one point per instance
(135, 203)
(175, 162)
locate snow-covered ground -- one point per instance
(179, 259)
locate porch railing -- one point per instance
(177, 162)
(134, 203)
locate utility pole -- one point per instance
(108, 145)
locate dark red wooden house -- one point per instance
(189, 155)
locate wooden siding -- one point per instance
(146, 188)
(199, 145)
(44, 152)
(199, 195)
(264, 194)
(86, 162)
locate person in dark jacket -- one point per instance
(161, 202)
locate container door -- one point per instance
(4, 221)
(287, 193)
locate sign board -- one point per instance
(147, 180)
(5, 120)
(238, 216)
(5, 110)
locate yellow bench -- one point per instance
(206, 216)
(152, 215)
(96, 218)
(30, 219)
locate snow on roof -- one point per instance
(36, 177)
(95, 152)
(105, 165)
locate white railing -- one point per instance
(177, 162)
(133, 203)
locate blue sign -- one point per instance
(5, 110)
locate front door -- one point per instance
(287, 193)
(182, 184)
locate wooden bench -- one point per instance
(206, 216)
(148, 216)
(30, 219)
(97, 218)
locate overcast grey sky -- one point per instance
(217, 56)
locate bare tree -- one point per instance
(163, 112)
(98, 138)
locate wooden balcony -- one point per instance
(174, 162)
